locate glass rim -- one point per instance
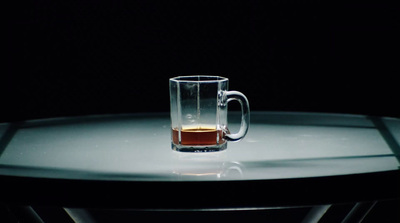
(199, 78)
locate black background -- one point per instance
(66, 58)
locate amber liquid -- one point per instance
(198, 136)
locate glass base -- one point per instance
(199, 149)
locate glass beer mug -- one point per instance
(199, 113)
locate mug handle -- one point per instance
(245, 121)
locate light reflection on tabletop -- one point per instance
(137, 147)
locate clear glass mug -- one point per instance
(199, 108)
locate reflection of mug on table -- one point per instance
(199, 113)
(206, 166)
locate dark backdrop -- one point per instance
(69, 58)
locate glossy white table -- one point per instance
(284, 160)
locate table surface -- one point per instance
(136, 148)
